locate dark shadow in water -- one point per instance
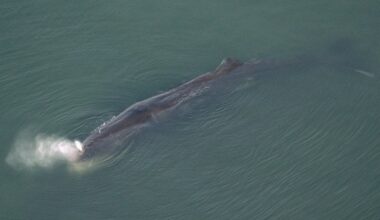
(345, 53)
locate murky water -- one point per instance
(292, 143)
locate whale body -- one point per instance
(144, 111)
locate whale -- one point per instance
(145, 111)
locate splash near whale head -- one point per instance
(43, 151)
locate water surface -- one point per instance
(299, 143)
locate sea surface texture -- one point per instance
(292, 143)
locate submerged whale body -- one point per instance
(144, 111)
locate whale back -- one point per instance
(227, 65)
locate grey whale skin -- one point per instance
(144, 111)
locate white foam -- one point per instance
(78, 145)
(365, 73)
(42, 151)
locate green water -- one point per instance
(290, 144)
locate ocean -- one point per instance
(290, 143)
